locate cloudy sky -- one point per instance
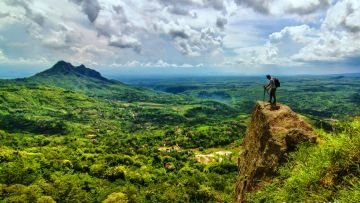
(181, 36)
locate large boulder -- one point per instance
(273, 132)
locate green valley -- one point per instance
(179, 101)
(70, 135)
(63, 139)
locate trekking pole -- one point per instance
(264, 95)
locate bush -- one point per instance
(114, 173)
(45, 199)
(224, 167)
(116, 197)
(97, 170)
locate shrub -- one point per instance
(45, 199)
(114, 173)
(224, 167)
(97, 170)
(116, 197)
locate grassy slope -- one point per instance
(326, 172)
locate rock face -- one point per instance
(271, 135)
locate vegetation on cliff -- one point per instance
(326, 172)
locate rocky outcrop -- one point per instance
(272, 133)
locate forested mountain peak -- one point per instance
(65, 68)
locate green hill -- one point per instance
(92, 83)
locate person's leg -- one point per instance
(274, 95)
(268, 93)
(271, 95)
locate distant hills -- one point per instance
(92, 83)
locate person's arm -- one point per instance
(268, 85)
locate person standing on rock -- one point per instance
(271, 88)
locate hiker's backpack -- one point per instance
(277, 82)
